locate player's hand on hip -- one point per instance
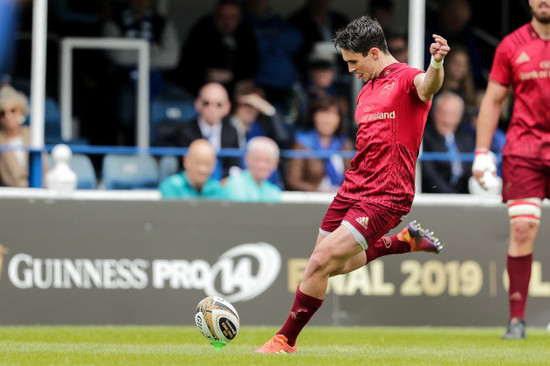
(484, 168)
(439, 49)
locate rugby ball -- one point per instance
(217, 319)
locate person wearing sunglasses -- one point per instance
(212, 123)
(14, 136)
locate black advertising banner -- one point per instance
(151, 262)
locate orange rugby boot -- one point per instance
(277, 344)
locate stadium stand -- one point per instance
(129, 172)
(82, 165)
(52, 121)
(171, 111)
(168, 165)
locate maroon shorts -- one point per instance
(367, 221)
(525, 178)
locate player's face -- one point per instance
(362, 66)
(541, 10)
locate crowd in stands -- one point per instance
(258, 81)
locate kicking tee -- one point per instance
(391, 119)
(522, 60)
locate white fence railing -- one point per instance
(66, 73)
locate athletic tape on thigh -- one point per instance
(324, 232)
(356, 235)
(524, 210)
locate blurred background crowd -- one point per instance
(241, 70)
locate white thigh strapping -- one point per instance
(526, 209)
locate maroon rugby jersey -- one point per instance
(522, 60)
(391, 119)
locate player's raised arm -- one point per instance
(428, 83)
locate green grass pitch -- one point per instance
(113, 345)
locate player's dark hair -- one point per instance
(360, 36)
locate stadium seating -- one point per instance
(169, 110)
(168, 165)
(130, 172)
(82, 165)
(52, 121)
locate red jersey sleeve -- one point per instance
(501, 71)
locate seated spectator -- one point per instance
(317, 22)
(444, 133)
(458, 75)
(77, 18)
(382, 11)
(138, 19)
(277, 44)
(252, 185)
(195, 180)
(499, 137)
(453, 20)
(324, 132)
(14, 164)
(220, 48)
(321, 82)
(212, 124)
(252, 115)
(398, 46)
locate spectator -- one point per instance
(324, 132)
(458, 75)
(138, 19)
(499, 137)
(252, 185)
(382, 11)
(195, 180)
(78, 18)
(444, 134)
(92, 69)
(220, 48)
(398, 46)
(277, 44)
(321, 82)
(454, 21)
(253, 115)
(14, 164)
(317, 22)
(212, 123)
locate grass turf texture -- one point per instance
(41, 345)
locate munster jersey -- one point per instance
(391, 119)
(522, 60)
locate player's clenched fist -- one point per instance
(439, 49)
